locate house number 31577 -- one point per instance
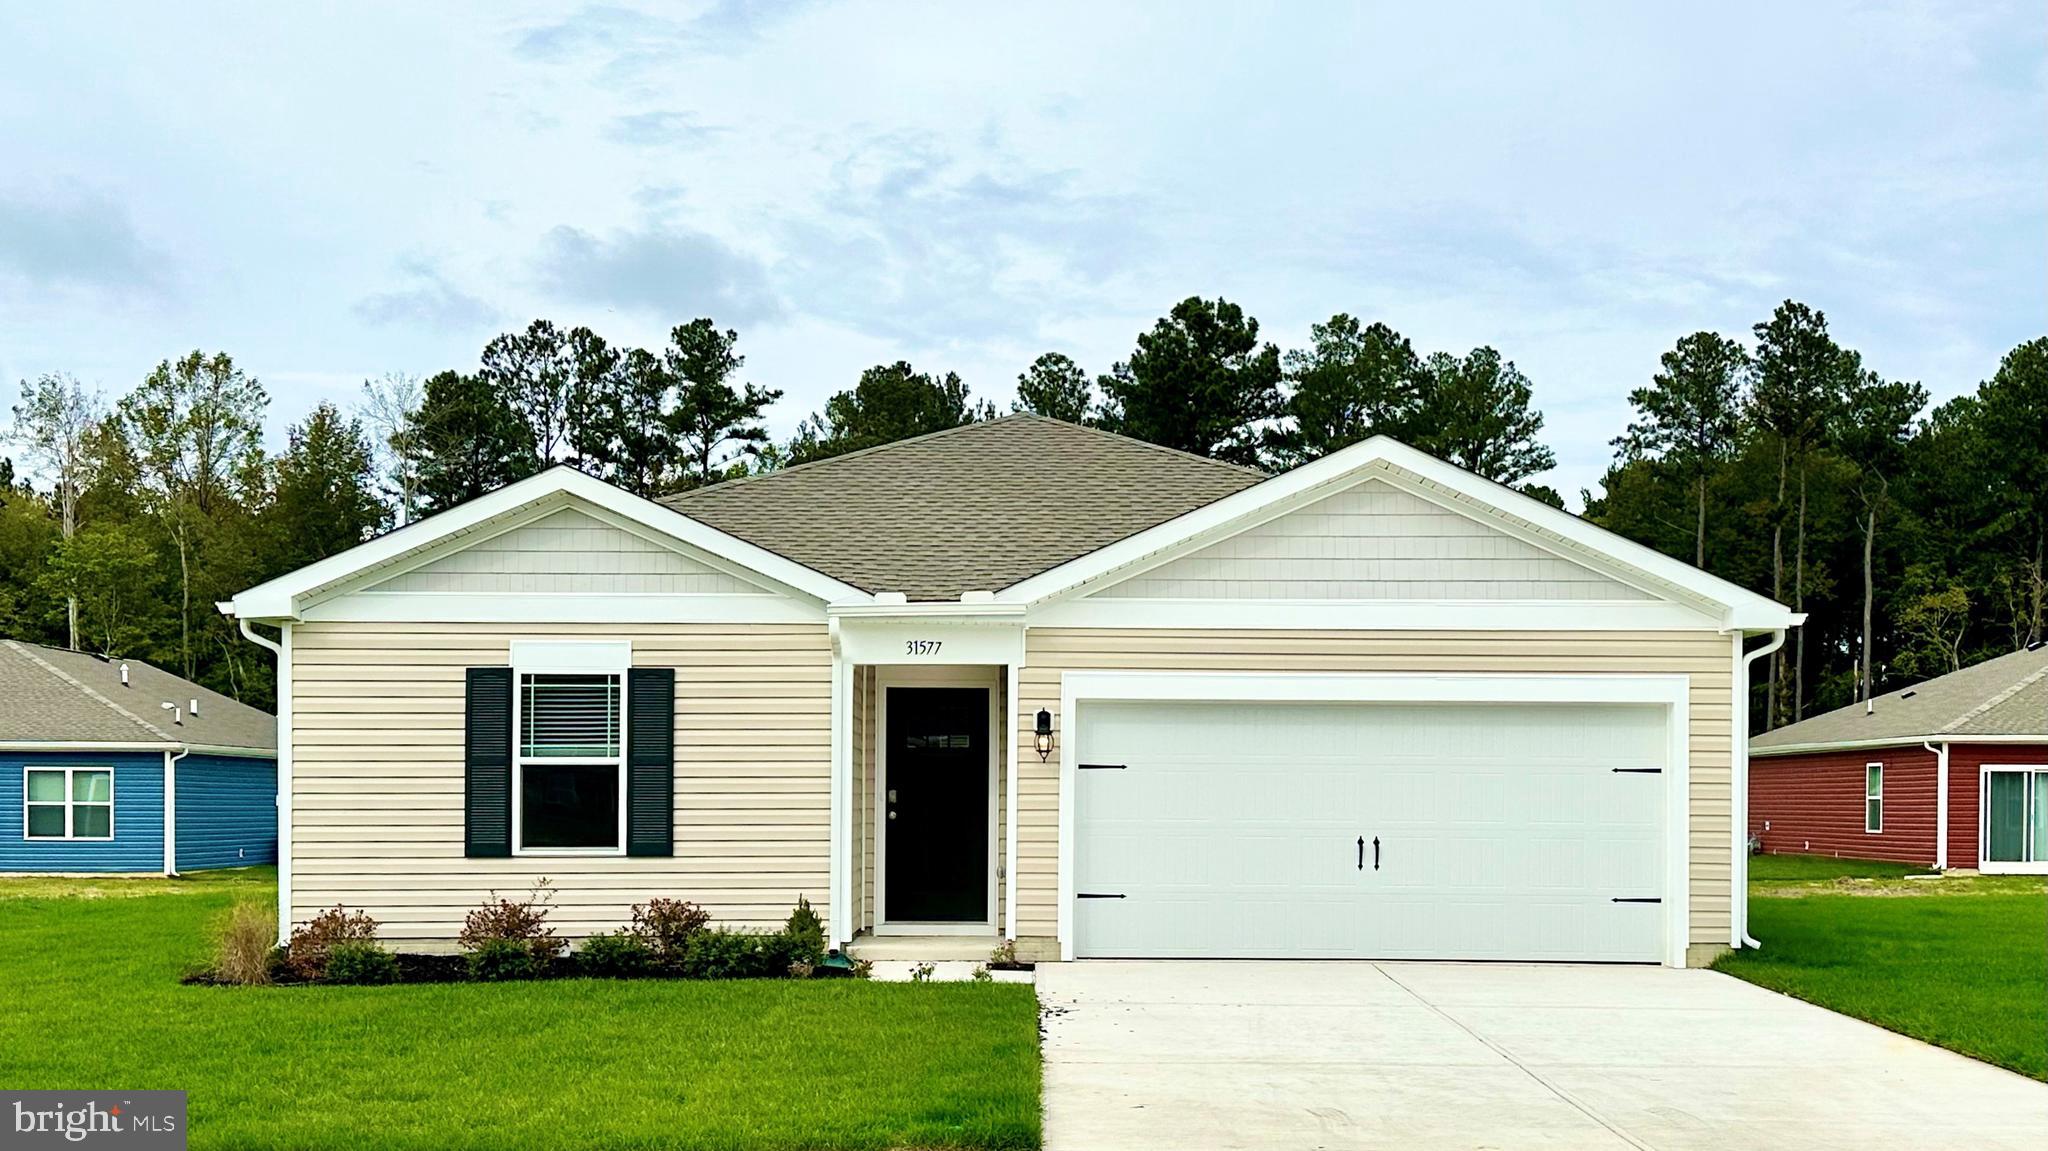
(921, 646)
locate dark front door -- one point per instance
(935, 809)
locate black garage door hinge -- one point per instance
(1638, 771)
(1637, 899)
(1101, 766)
(1096, 895)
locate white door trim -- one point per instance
(1671, 691)
(887, 676)
(2007, 867)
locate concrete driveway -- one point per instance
(1429, 1055)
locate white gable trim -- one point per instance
(515, 505)
(1526, 518)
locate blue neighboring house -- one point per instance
(111, 765)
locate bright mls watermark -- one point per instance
(141, 1120)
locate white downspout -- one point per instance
(1738, 918)
(283, 651)
(1940, 804)
(839, 920)
(171, 811)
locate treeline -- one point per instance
(1783, 463)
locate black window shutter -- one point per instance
(487, 762)
(651, 761)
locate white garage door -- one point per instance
(1396, 831)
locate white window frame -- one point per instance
(556, 657)
(68, 804)
(2008, 866)
(1869, 796)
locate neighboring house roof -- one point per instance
(975, 508)
(2000, 699)
(50, 695)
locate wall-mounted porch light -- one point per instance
(1042, 729)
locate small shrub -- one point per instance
(504, 960)
(981, 975)
(243, 940)
(863, 969)
(804, 934)
(520, 921)
(618, 955)
(720, 954)
(358, 962)
(667, 926)
(306, 951)
(798, 969)
(1005, 954)
(922, 973)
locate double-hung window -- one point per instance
(569, 770)
(68, 803)
(1873, 798)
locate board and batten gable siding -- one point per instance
(138, 843)
(567, 551)
(1705, 657)
(1372, 541)
(227, 811)
(378, 777)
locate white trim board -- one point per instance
(1673, 692)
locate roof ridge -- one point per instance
(91, 692)
(2023, 683)
(741, 481)
(1182, 453)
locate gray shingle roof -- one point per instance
(50, 695)
(974, 508)
(2002, 698)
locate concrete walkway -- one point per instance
(1419, 1056)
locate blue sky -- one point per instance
(337, 192)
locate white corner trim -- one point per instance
(1743, 608)
(278, 598)
(1672, 692)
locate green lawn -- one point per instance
(1798, 868)
(91, 998)
(1958, 962)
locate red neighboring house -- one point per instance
(1952, 772)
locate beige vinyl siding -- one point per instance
(1703, 656)
(378, 780)
(568, 551)
(1372, 541)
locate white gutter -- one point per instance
(1921, 739)
(283, 651)
(1738, 906)
(1940, 804)
(171, 810)
(116, 745)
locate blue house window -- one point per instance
(69, 803)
